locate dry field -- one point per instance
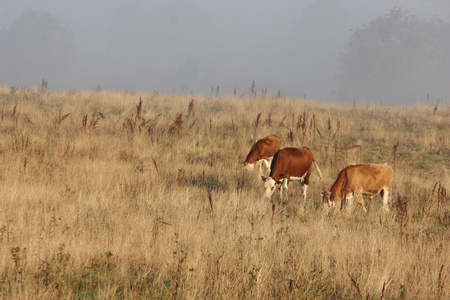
(104, 196)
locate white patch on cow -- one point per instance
(265, 164)
(301, 179)
(269, 185)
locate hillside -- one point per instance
(122, 195)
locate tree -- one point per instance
(36, 46)
(397, 58)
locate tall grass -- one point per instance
(117, 195)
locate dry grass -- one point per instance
(116, 195)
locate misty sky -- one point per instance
(191, 46)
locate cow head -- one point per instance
(269, 185)
(328, 198)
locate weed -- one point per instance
(240, 185)
(217, 92)
(19, 257)
(212, 210)
(269, 120)
(329, 127)
(191, 109)
(155, 165)
(177, 125)
(44, 85)
(395, 154)
(20, 144)
(441, 282)
(382, 291)
(355, 284)
(156, 227)
(92, 123)
(252, 90)
(291, 135)
(60, 117)
(281, 124)
(401, 292)
(257, 122)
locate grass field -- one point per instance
(105, 196)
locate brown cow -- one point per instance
(369, 179)
(262, 152)
(290, 164)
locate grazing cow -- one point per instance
(290, 164)
(369, 179)
(262, 152)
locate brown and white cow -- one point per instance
(290, 164)
(262, 153)
(368, 179)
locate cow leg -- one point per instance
(385, 196)
(284, 186)
(347, 201)
(305, 187)
(361, 200)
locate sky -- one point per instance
(199, 46)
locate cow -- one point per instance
(262, 153)
(290, 164)
(359, 180)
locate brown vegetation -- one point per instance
(115, 195)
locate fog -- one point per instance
(203, 47)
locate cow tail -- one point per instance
(318, 169)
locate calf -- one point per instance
(290, 164)
(369, 179)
